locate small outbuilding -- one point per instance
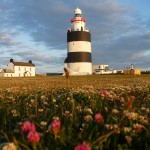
(132, 70)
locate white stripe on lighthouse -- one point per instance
(79, 46)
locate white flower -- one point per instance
(115, 111)
(109, 126)
(132, 115)
(9, 146)
(88, 118)
(88, 110)
(43, 123)
(127, 129)
(54, 100)
(40, 110)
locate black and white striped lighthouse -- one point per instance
(78, 61)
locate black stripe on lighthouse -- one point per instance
(74, 57)
(78, 36)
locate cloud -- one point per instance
(120, 35)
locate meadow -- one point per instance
(97, 112)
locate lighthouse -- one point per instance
(79, 60)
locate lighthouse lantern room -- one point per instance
(78, 61)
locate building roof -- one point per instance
(8, 71)
(23, 64)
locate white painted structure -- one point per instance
(103, 69)
(78, 61)
(18, 69)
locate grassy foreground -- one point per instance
(83, 112)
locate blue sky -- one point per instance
(37, 30)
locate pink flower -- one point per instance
(55, 126)
(83, 146)
(27, 127)
(104, 92)
(33, 137)
(99, 118)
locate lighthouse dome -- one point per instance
(77, 11)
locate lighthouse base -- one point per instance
(79, 68)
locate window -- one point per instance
(24, 68)
(19, 68)
(30, 68)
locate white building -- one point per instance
(79, 60)
(18, 69)
(102, 69)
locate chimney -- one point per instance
(30, 61)
(11, 60)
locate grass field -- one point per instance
(83, 112)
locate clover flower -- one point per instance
(33, 136)
(40, 110)
(104, 92)
(27, 127)
(132, 115)
(88, 110)
(83, 146)
(137, 127)
(55, 126)
(127, 129)
(43, 123)
(128, 138)
(109, 126)
(9, 146)
(88, 118)
(99, 118)
(115, 111)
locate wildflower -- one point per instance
(43, 97)
(88, 110)
(104, 92)
(55, 126)
(121, 99)
(9, 146)
(54, 100)
(143, 108)
(127, 129)
(88, 118)
(99, 118)
(68, 98)
(45, 103)
(14, 113)
(43, 123)
(40, 110)
(27, 127)
(33, 137)
(115, 111)
(55, 118)
(137, 127)
(32, 101)
(125, 112)
(129, 102)
(83, 146)
(147, 110)
(115, 126)
(128, 138)
(78, 108)
(105, 109)
(132, 115)
(109, 126)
